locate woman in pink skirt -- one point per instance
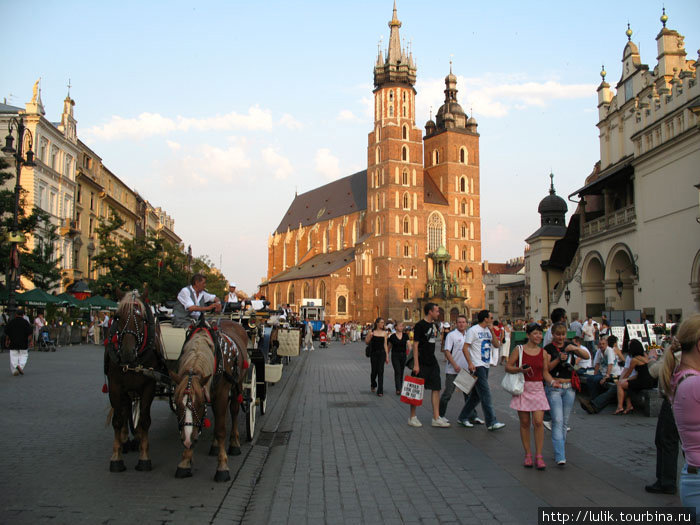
(533, 399)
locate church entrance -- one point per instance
(453, 315)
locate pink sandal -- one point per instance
(528, 461)
(539, 463)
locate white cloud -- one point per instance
(280, 164)
(208, 164)
(151, 124)
(327, 164)
(175, 146)
(347, 115)
(496, 95)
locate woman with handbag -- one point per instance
(560, 388)
(529, 361)
(379, 354)
(398, 343)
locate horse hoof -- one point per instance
(222, 475)
(233, 451)
(183, 473)
(117, 466)
(144, 465)
(213, 451)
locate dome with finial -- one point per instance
(664, 17)
(603, 73)
(450, 114)
(629, 32)
(552, 203)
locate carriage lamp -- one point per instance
(23, 156)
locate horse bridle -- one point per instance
(118, 335)
(196, 422)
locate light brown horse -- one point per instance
(209, 370)
(133, 360)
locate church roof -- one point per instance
(318, 266)
(432, 193)
(338, 198)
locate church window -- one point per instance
(404, 110)
(463, 157)
(402, 271)
(463, 207)
(376, 156)
(377, 134)
(391, 95)
(464, 230)
(278, 297)
(414, 271)
(406, 314)
(406, 201)
(306, 290)
(290, 294)
(322, 292)
(459, 273)
(406, 250)
(404, 154)
(403, 95)
(404, 178)
(406, 293)
(391, 111)
(378, 227)
(406, 225)
(436, 231)
(404, 130)
(436, 157)
(342, 305)
(462, 184)
(464, 254)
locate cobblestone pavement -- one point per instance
(352, 458)
(56, 449)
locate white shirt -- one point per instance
(479, 341)
(585, 362)
(231, 297)
(611, 358)
(185, 298)
(105, 321)
(454, 344)
(588, 330)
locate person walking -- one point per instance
(426, 334)
(683, 383)
(456, 360)
(560, 392)
(532, 403)
(379, 354)
(398, 343)
(496, 350)
(505, 349)
(308, 337)
(18, 335)
(480, 339)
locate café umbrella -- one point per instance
(97, 302)
(37, 297)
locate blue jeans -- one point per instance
(560, 402)
(480, 393)
(690, 490)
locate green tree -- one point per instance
(38, 264)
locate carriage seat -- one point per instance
(173, 339)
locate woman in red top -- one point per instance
(533, 399)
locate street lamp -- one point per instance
(567, 294)
(619, 284)
(15, 237)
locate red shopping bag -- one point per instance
(412, 390)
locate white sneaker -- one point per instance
(439, 422)
(568, 429)
(414, 422)
(465, 423)
(496, 426)
(478, 421)
(548, 425)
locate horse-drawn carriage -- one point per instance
(208, 364)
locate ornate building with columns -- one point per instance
(633, 242)
(405, 230)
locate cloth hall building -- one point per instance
(406, 230)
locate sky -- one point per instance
(219, 111)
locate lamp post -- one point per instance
(15, 237)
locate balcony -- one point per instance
(610, 222)
(69, 227)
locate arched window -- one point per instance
(322, 292)
(404, 154)
(459, 273)
(306, 290)
(436, 231)
(406, 250)
(404, 131)
(404, 178)
(464, 254)
(462, 184)
(406, 225)
(290, 294)
(463, 207)
(278, 297)
(406, 293)
(406, 201)
(378, 227)
(436, 157)
(414, 271)
(402, 271)
(342, 305)
(463, 156)
(463, 230)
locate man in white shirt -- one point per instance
(480, 340)
(588, 330)
(191, 302)
(454, 350)
(232, 296)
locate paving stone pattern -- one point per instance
(352, 458)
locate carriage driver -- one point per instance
(191, 301)
(232, 296)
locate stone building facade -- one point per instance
(405, 230)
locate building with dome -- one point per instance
(406, 230)
(633, 241)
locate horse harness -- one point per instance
(226, 351)
(197, 422)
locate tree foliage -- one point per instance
(137, 263)
(37, 265)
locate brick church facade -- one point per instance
(404, 231)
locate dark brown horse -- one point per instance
(212, 367)
(133, 360)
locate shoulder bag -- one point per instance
(515, 383)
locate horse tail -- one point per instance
(109, 417)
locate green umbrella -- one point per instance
(37, 297)
(71, 300)
(99, 302)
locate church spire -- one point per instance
(399, 66)
(394, 54)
